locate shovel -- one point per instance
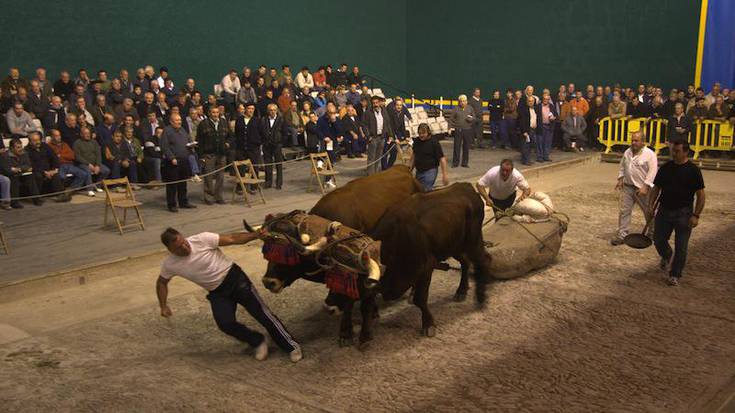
(641, 241)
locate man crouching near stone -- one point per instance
(199, 259)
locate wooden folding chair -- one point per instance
(124, 201)
(250, 177)
(3, 241)
(326, 170)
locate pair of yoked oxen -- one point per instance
(379, 234)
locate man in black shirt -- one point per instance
(677, 182)
(427, 156)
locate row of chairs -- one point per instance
(437, 124)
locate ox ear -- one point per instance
(332, 228)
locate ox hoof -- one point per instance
(429, 331)
(345, 342)
(460, 296)
(364, 345)
(331, 309)
(371, 283)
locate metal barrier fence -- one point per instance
(706, 135)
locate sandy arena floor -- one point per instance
(597, 331)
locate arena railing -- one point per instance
(706, 135)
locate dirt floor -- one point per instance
(597, 331)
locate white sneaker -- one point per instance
(98, 189)
(196, 179)
(261, 352)
(331, 184)
(319, 165)
(296, 355)
(90, 193)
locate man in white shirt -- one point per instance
(499, 184)
(230, 87)
(637, 171)
(199, 260)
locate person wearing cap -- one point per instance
(199, 259)
(378, 127)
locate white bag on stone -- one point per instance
(537, 206)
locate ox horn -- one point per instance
(247, 226)
(373, 273)
(305, 238)
(317, 246)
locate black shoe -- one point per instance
(16, 205)
(351, 156)
(454, 166)
(220, 202)
(37, 201)
(238, 191)
(188, 206)
(173, 209)
(268, 186)
(548, 160)
(278, 188)
(465, 166)
(207, 201)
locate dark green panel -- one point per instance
(204, 39)
(453, 47)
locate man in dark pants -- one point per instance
(273, 130)
(377, 123)
(174, 143)
(677, 182)
(212, 146)
(464, 119)
(476, 102)
(247, 139)
(199, 259)
(529, 119)
(45, 165)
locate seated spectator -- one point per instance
(189, 87)
(340, 97)
(340, 76)
(639, 108)
(294, 123)
(320, 103)
(247, 76)
(80, 91)
(230, 87)
(574, 127)
(12, 83)
(67, 159)
(169, 91)
(699, 112)
(80, 109)
(152, 155)
(135, 150)
(163, 109)
(719, 110)
(192, 122)
(427, 157)
(271, 76)
(45, 166)
(246, 94)
(22, 182)
(137, 95)
(356, 77)
(64, 87)
(284, 101)
(260, 89)
(304, 79)
(141, 80)
(275, 86)
(37, 101)
(55, 114)
(149, 124)
(126, 109)
(306, 97)
(19, 121)
(162, 77)
(100, 109)
(617, 108)
(117, 94)
(698, 94)
(119, 159)
(265, 101)
(320, 79)
(124, 78)
(147, 106)
(88, 154)
(354, 142)
(105, 129)
(330, 135)
(312, 140)
(103, 81)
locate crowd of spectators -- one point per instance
(572, 116)
(69, 134)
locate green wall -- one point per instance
(430, 48)
(453, 47)
(203, 39)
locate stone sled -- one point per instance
(516, 251)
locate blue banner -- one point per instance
(718, 50)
